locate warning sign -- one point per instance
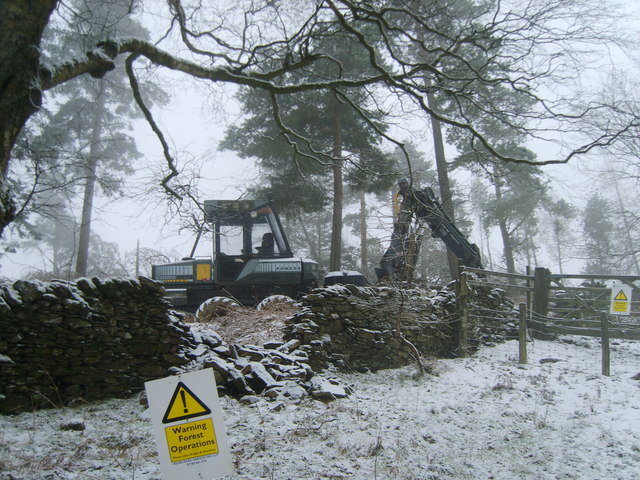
(621, 297)
(188, 425)
(620, 300)
(184, 404)
(191, 440)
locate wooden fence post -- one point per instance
(528, 285)
(606, 353)
(522, 334)
(463, 292)
(541, 286)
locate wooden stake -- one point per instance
(522, 334)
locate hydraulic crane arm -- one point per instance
(429, 210)
(399, 260)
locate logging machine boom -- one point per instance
(400, 258)
(251, 259)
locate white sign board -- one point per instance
(187, 421)
(620, 300)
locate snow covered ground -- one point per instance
(482, 417)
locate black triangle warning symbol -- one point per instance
(621, 297)
(184, 404)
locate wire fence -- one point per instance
(579, 354)
(580, 345)
(556, 321)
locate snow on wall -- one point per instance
(65, 342)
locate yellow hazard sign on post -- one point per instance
(621, 300)
(187, 420)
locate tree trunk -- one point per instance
(556, 231)
(507, 248)
(502, 224)
(364, 256)
(82, 260)
(55, 267)
(21, 26)
(443, 181)
(487, 236)
(336, 223)
(627, 228)
(138, 258)
(321, 246)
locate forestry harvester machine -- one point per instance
(422, 209)
(251, 259)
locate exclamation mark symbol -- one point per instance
(184, 401)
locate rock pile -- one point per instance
(276, 370)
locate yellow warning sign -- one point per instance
(621, 296)
(183, 405)
(191, 440)
(189, 447)
(621, 300)
(619, 306)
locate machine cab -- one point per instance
(251, 259)
(244, 230)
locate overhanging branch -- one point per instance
(173, 171)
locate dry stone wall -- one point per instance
(62, 342)
(89, 339)
(367, 328)
(65, 342)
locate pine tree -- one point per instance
(599, 236)
(85, 143)
(331, 136)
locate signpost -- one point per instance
(621, 300)
(620, 305)
(190, 433)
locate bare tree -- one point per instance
(615, 174)
(523, 47)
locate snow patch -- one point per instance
(482, 417)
